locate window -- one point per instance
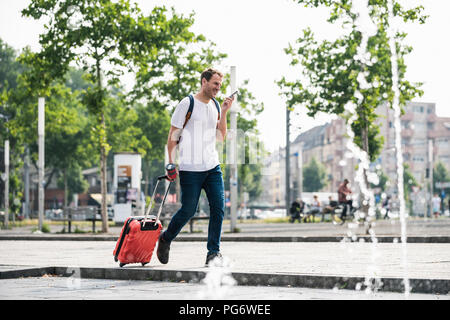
(418, 109)
(442, 143)
(420, 142)
(419, 126)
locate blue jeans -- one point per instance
(192, 183)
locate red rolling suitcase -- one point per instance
(139, 235)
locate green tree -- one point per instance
(175, 72)
(440, 174)
(335, 74)
(314, 176)
(409, 181)
(67, 128)
(250, 171)
(107, 39)
(153, 119)
(350, 76)
(66, 122)
(9, 69)
(382, 180)
(72, 181)
(123, 133)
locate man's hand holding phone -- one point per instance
(228, 102)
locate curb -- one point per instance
(427, 286)
(380, 239)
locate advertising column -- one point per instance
(127, 186)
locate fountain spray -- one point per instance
(398, 149)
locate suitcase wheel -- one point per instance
(121, 264)
(144, 263)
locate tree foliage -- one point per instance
(107, 39)
(88, 49)
(440, 174)
(335, 74)
(314, 176)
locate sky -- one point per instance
(254, 34)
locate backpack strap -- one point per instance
(189, 113)
(191, 108)
(218, 108)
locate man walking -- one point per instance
(343, 193)
(199, 166)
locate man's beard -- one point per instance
(212, 94)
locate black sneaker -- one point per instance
(163, 250)
(214, 256)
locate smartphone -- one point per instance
(231, 96)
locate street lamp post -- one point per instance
(27, 182)
(300, 169)
(430, 177)
(6, 183)
(233, 155)
(41, 133)
(287, 155)
(6, 176)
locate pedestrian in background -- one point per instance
(387, 206)
(315, 206)
(449, 206)
(296, 210)
(344, 193)
(436, 204)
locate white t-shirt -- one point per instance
(197, 148)
(436, 201)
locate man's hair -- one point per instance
(346, 181)
(208, 73)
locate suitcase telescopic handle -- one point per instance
(163, 177)
(152, 199)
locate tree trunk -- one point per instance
(103, 178)
(66, 189)
(102, 152)
(365, 147)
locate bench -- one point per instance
(191, 221)
(169, 209)
(195, 218)
(87, 213)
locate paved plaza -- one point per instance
(285, 266)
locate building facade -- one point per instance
(422, 130)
